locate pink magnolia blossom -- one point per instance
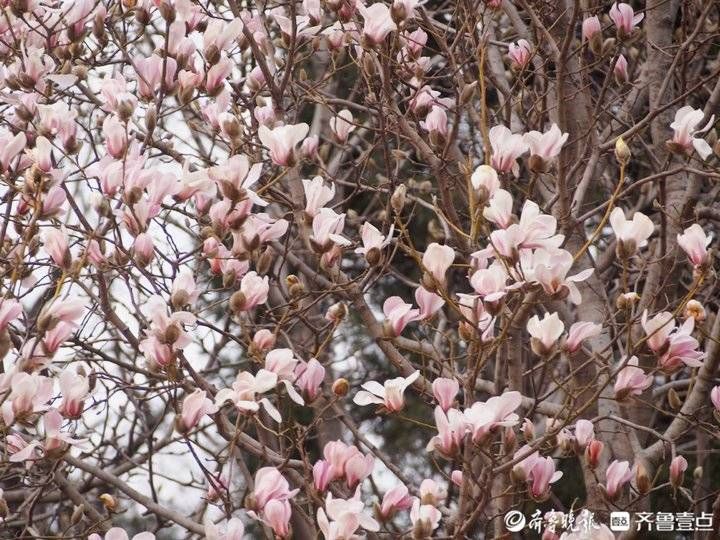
(323, 474)
(29, 394)
(74, 388)
(542, 474)
(56, 246)
(309, 147)
(116, 533)
(150, 74)
(399, 314)
(317, 195)
(685, 129)
(309, 377)
(424, 517)
(631, 234)
(499, 209)
(263, 340)
(617, 475)
(498, 411)
(593, 451)
(390, 395)
(431, 492)
(184, 289)
(624, 18)
(342, 125)
(373, 240)
(506, 148)
(579, 332)
(491, 282)
(194, 407)
(327, 228)
(620, 70)
(341, 518)
(243, 391)
(631, 380)
(694, 242)
(545, 332)
(546, 146)
(9, 311)
(378, 22)
(394, 500)
(282, 141)
(233, 530)
(437, 259)
(658, 330)
(436, 122)
(584, 432)
(520, 53)
(10, 146)
(270, 500)
(143, 249)
(715, 397)
(451, 427)
(591, 27)
(428, 302)
(444, 391)
(682, 349)
(678, 466)
(255, 290)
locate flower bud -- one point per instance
(340, 387)
(622, 151)
(109, 502)
(397, 200)
(642, 480)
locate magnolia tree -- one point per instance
(340, 270)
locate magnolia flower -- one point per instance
(390, 394)
(243, 392)
(399, 314)
(579, 332)
(620, 70)
(378, 22)
(194, 407)
(395, 499)
(309, 377)
(591, 28)
(437, 259)
(29, 394)
(520, 53)
(618, 474)
(425, 518)
(444, 391)
(631, 234)
(10, 146)
(9, 311)
(498, 411)
(485, 179)
(74, 389)
(327, 229)
(545, 333)
(544, 147)
(55, 245)
(631, 380)
(342, 125)
(506, 148)
(542, 473)
(342, 517)
(678, 466)
(694, 242)
(116, 533)
(184, 291)
(283, 363)
(282, 141)
(254, 289)
(491, 282)
(436, 122)
(270, 500)
(584, 432)
(347, 461)
(658, 330)
(428, 302)
(323, 474)
(316, 195)
(499, 209)
(681, 349)
(451, 427)
(624, 18)
(550, 269)
(233, 530)
(715, 397)
(685, 127)
(373, 241)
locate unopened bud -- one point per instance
(340, 387)
(237, 301)
(674, 400)
(397, 200)
(622, 151)
(642, 480)
(109, 502)
(295, 286)
(77, 514)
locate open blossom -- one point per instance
(658, 330)
(74, 389)
(327, 229)
(395, 499)
(309, 377)
(378, 22)
(116, 533)
(682, 349)
(491, 282)
(233, 530)
(551, 267)
(544, 147)
(282, 141)
(270, 500)
(618, 474)
(342, 125)
(498, 411)
(506, 148)
(399, 314)
(437, 259)
(56, 246)
(444, 391)
(499, 209)
(341, 518)
(631, 380)
(694, 242)
(542, 474)
(685, 129)
(579, 332)
(317, 195)
(545, 332)
(184, 290)
(624, 18)
(242, 393)
(584, 432)
(715, 397)
(345, 461)
(451, 427)
(428, 302)
(254, 289)
(194, 407)
(436, 122)
(390, 395)
(29, 394)
(631, 234)
(10, 146)
(520, 53)
(424, 517)
(373, 241)
(9, 311)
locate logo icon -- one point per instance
(619, 521)
(514, 521)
